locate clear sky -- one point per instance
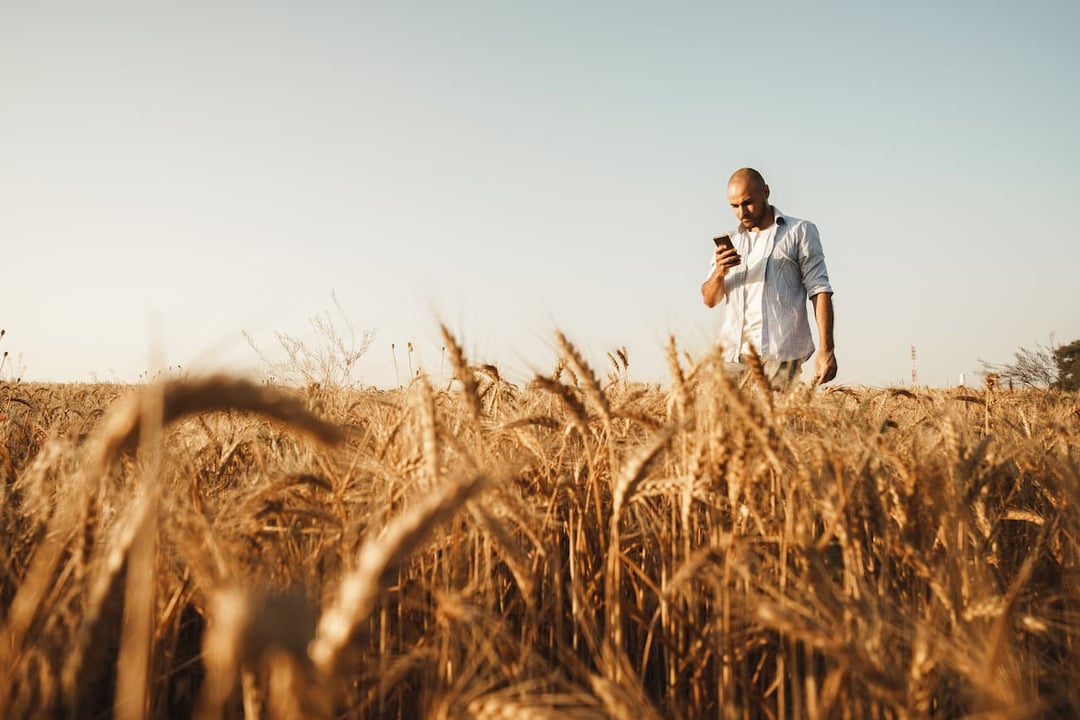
(173, 174)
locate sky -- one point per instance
(175, 175)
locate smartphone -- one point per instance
(723, 241)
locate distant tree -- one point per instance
(1036, 368)
(1067, 358)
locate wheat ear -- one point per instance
(678, 378)
(180, 398)
(463, 374)
(588, 378)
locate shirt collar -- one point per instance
(779, 220)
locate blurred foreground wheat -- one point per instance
(581, 547)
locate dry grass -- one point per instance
(572, 549)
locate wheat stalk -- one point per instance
(585, 375)
(361, 587)
(463, 373)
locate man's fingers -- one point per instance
(829, 374)
(824, 374)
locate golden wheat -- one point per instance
(217, 548)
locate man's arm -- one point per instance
(825, 364)
(712, 290)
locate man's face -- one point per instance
(750, 202)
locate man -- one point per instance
(763, 278)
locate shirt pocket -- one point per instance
(786, 272)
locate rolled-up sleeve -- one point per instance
(812, 262)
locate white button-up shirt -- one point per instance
(794, 271)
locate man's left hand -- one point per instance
(824, 367)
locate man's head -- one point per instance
(749, 198)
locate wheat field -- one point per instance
(580, 547)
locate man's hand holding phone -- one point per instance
(725, 255)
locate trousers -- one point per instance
(780, 373)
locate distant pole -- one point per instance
(914, 376)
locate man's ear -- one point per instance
(766, 192)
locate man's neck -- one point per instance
(770, 218)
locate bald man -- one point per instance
(763, 279)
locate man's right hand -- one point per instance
(726, 257)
